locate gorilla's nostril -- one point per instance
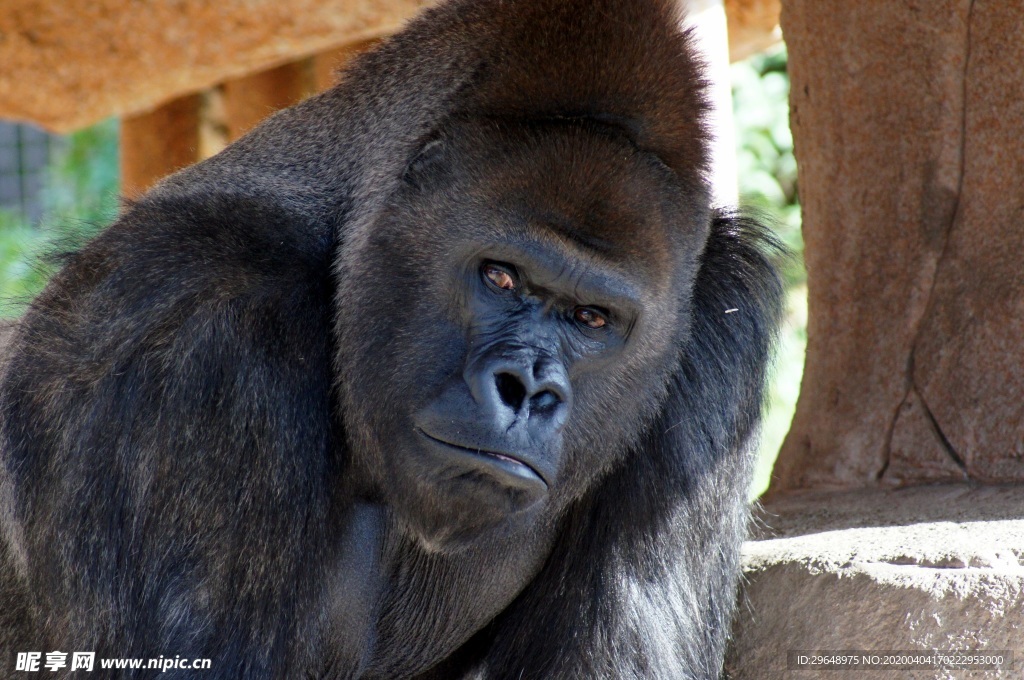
(544, 401)
(511, 390)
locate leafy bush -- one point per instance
(768, 183)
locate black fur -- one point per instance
(210, 416)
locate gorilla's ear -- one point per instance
(426, 162)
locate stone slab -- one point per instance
(918, 569)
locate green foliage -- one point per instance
(768, 183)
(19, 278)
(84, 181)
(767, 167)
(80, 197)
(784, 388)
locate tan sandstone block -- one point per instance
(67, 64)
(70, 63)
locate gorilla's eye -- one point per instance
(589, 317)
(501, 277)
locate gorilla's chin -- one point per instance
(453, 495)
(501, 481)
(507, 472)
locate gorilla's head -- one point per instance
(523, 300)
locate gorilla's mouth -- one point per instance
(520, 470)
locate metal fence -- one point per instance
(25, 152)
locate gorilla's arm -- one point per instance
(167, 421)
(641, 581)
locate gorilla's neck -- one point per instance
(397, 609)
(353, 595)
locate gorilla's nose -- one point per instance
(521, 392)
(533, 391)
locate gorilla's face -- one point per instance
(520, 307)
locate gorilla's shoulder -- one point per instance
(179, 287)
(173, 251)
(253, 234)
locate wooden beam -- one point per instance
(753, 26)
(157, 143)
(250, 99)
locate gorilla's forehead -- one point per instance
(585, 190)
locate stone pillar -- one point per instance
(157, 143)
(907, 123)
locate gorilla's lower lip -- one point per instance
(525, 469)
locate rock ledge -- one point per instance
(916, 569)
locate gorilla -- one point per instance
(449, 372)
